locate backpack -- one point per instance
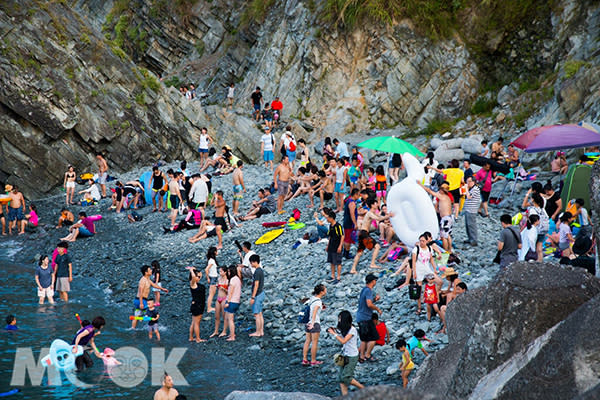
(296, 214)
(292, 145)
(304, 315)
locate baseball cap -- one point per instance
(370, 278)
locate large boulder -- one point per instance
(560, 364)
(390, 392)
(522, 304)
(443, 155)
(471, 146)
(243, 395)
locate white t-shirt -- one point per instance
(528, 240)
(339, 174)
(203, 141)
(94, 192)
(246, 260)
(230, 91)
(350, 348)
(212, 268)
(314, 302)
(423, 266)
(199, 191)
(267, 141)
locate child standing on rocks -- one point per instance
(407, 365)
(334, 247)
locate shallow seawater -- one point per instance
(209, 376)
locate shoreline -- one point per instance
(113, 257)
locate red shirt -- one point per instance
(430, 296)
(382, 331)
(277, 105)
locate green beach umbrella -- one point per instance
(391, 144)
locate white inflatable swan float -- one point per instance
(412, 207)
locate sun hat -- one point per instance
(449, 272)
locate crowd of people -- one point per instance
(352, 214)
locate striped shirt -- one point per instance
(472, 203)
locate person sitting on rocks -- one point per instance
(324, 189)
(303, 180)
(192, 220)
(208, 229)
(266, 204)
(461, 288)
(66, 218)
(92, 193)
(212, 160)
(84, 227)
(584, 255)
(365, 241)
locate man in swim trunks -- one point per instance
(324, 188)
(157, 183)
(238, 187)
(174, 194)
(220, 208)
(444, 208)
(208, 229)
(281, 181)
(102, 173)
(141, 299)
(365, 241)
(167, 391)
(16, 211)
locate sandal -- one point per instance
(371, 359)
(313, 363)
(305, 362)
(361, 360)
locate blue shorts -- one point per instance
(291, 155)
(84, 232)
(202, 150)
(268, 155)
(15, 214)
(232, 308)
(257, 107)
(136, 303)
(213, 280)
(338, 188)
(257, 307)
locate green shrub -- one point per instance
(572, 67)
(172, 81)
(140, 98)
(256, 11)
(483, 106)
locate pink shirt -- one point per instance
(481, 175)
(235, 290)
(33, 218)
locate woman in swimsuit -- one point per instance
(198, 304)
(69, 184)
(222, 286)
(156, 279)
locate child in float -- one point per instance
(222, 287)
(85, 337)
(44, 278)
(11, 323)
(380, 183)
(406, 366)
(152, 313)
